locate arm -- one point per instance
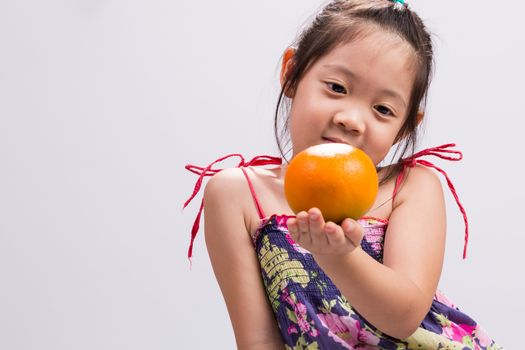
(235, 263)
(394, 296)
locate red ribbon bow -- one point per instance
(210, 171)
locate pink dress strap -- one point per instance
(254, 196)
(210, 171)
(443, 152)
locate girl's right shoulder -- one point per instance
(231, 192)
(224, 208)
(227, 196)
(226, 183)
(234, 181)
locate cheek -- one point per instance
(299, 116)
(294, 125)
(384, 142)
(293, 117)
(378, 158)
(379, 152)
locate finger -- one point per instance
(334, 234)
(353, 231)
(302, 222)
(316, 223)
(291, 223)
(303, 228)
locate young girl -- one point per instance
(358, 75)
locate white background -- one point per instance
(102, 103)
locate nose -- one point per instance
(351, 120)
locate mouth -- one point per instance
(333, 140)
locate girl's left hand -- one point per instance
(310, 231)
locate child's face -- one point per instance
(357, 94)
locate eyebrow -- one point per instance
(351, 75)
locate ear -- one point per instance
(419, 117)
(287, 67)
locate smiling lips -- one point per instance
(334, 140)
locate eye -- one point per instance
(384, 110)
(337, 88)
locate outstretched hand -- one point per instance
(310, 231)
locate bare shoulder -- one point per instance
(232, 182)
(224, 182)
(228, 192)
(226, 195)
(419, 181)
(424, 174)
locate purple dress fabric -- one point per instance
(312, 313)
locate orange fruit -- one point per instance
(339, 179)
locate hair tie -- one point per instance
(400, 4)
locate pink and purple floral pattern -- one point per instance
(313, 314)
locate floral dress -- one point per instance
(312, 313)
